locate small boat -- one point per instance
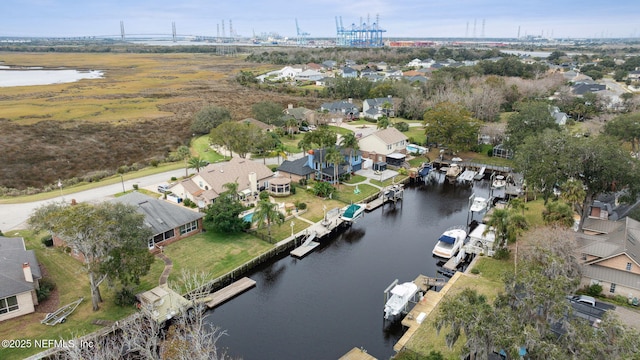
(352, 212)
(400, 296)
(450, 242)
(479, 204)
(453, 171)
(499, 182)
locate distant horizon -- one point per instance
(469, 19)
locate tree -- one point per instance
(238, 137)
(291, 124)
(599, 162)
(383, 122)
(322, 137)
(334, 156)
(349, 141)
(184, 153)
(197, 163)
(626, 128)
(507, 224)
(544, 160)
(558, 214)
(530, 119)
(223, 215)
(267, 212)
(572, 192)
(267, 111)
(111, 238)
(452, 125)
(532, 302)
(208, 118)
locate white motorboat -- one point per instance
(479, 204)
(499, 182)
(399, 300)
(450, 242)
(352, 212)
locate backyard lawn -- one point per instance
(71, 283)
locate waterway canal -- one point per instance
(321, 306)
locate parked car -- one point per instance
(163, 188)
(589, 300)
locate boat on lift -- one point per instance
(499, 182)
(352, 212)
(479, 204)
(398, 303)
(450, 242)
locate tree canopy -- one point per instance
(111, 237)
(267, 111)
(600, 163)
(223, 215)
(208, 118)
(452, 125)
(531, 118)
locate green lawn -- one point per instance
(213, 252)
(488, 282)
(200, 147)
(71, 283)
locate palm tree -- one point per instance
(291, 123)
(196, 163)
(572, 192)
(184, 153)
(350, 141)
(267, 212)
(280, 151)
(383, 122)
(334, 157)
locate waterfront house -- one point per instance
(314, 165)
(204, 187)
(384, 146)
(19, 280)
(168, 222)
(608, 252)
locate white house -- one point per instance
(380, 144)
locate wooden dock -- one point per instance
(357, 354)
(230, 291)
(307, 246)
(414, 318)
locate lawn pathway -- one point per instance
(168, 265)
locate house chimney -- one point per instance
(253, 182)
(350, 101)
(290, 106)
(28, 276)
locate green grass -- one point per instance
(213, 252)
(488, 282)
(200, 147)
(71, 283)
(355, 179)
(347, 195)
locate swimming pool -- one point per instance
(413, 148)
(248, 217)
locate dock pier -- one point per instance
(230, 291)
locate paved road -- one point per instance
(14, 216)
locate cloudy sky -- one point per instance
(400, 18)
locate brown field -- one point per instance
(141, 110)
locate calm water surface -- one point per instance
(323, 305)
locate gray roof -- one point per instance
(160, 215)
(296, 167)
(12, 255)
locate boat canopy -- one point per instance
(351, 211)
(447, 239)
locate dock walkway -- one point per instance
(426, 306)
(230, 291)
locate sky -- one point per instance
(400, 18)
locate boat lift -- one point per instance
(60, 315)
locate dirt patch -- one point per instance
(52, 303)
